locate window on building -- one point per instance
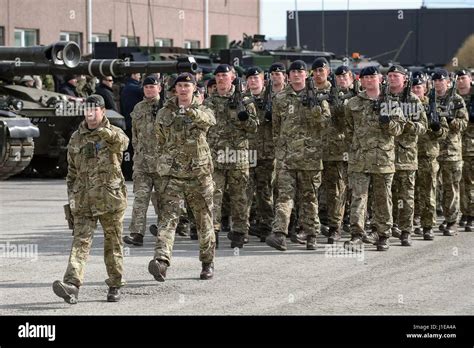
(192, 44)
(26, 37)
(71, 36)
(164, 42)
(2, 36)
(100, 38)
(129, 41)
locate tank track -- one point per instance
(18, 154)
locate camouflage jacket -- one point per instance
(450, 148)
(182, 137)
(372, 148)
(406, 144)
(428, 143)
(144, 137)
(468, 136)
(297, 131)
(262, 141)
(95, 183)
(228, 139)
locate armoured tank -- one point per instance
(53, 115)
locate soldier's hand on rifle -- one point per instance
(384, 119)
(243, 115)
(435, 126)
(268, 116)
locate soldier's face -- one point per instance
(185, 90)
(419, 90)
(297, 77)
(277, 77)
(151, 91)
(255, 82)
(94, 116)
(396, 79)
(371, 81)
(441, 86)
(224, 81)
(464, 81)
(344, 80)
(320, 75)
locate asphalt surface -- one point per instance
(431, 277)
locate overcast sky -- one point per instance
(273, 12)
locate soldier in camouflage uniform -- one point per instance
(228, 140)
(96, 191)
(185, 165)
(146, 152)
(406, 163)
(261, 173)
(297, 123)
(371, 127)
(466, 91)
(428, 167)
(450, 151)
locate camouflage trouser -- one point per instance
(260, 185)
(335, 181)
(197, 193)
(467, 187)
(143, 185)
(451, 172)
(403, 199)
(303, 184)
(382, 207)
(236, 182)
(84, 226)
(425, 191)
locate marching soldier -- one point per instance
(451, 106)
(406, 163)
(185, 166)
(96, 191)
(371, 127)
(297, 122)
(228, 139)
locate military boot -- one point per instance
(207, 271)
(253, 230)
(277, 240)
(68, 292)
(157, 269)
(442, 226)
(370, 238)
(237, 240)
(463, 220)
(383, 243)
(405, 238)
(418, 231)
(450, 229)
(134, 239)
(193, 234)
(334, 234)
(396, 231)
(311, 243)
(153, 230)
(469, 224)
(355, 244)
(325, 230)
(113, 295)
(428, 233)
(264, 233)
(183, 229)
(299, 237)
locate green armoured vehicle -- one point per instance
(56, 115)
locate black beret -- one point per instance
(369, 70)
(150, 80)
(462, 72)
(419, 75)
(417, 81)
(319, 63)
(440, 74)
(185, 77)
(69, 77)
(341, 70)
(397, 68)
(254, 70)
(277, 67)
(211, 82)
(95, 100)
(297, 65)
(223, 68)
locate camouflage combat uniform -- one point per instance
(467, 182)
(371, 161)
(228, 141)
(406, 162)
(146, 152)
(185, 166)
(96, 191)
(298, 153)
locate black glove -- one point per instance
(268, 116)
(449, 119)
(435, 126)
(243, 115)
(384, 119)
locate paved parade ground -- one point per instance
(431, 277)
